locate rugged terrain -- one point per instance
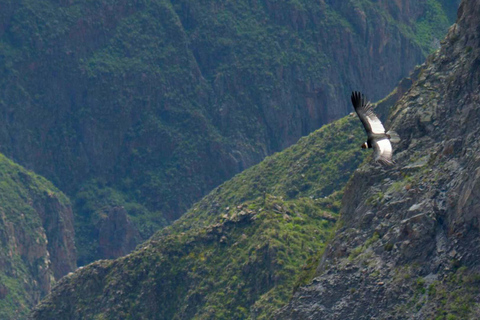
(36, 239)
(236, 253)
(408, 246)
(136, 109)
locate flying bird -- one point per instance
(378, 139)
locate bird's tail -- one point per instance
(394, 137)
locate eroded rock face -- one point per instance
(57, 221)
(409, 246)
(36, 239)
(148, 113)
(117, 234)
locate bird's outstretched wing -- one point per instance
(364, 110)
(383, 151)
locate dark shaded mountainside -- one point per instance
(409, 242)
(236, 253)
(406, 245)
(36, 239)
(136, 109)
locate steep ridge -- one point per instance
(408, 246)
(237, 253)
(150, 104)
(36, 239)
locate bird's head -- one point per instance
(364, 145)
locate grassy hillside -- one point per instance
(236, 254)
(150, 104)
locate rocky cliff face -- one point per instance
(117, 234)
(36, 239)
(408, 247)
(154, 99)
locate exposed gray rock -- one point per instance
(409, 247)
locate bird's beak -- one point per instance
(364, 145)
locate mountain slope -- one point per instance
(36, 239)
(408, 247)
(150, 104)
(237, 253)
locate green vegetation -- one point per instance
(253, 266)
(94, 200)
(430, 28)
(453, 297)
(151, 104)
(360, 249)
(456, 294)
(27, 202)
(241, 250)
(317, 167)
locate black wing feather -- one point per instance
(365, 112)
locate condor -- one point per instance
(378, 139)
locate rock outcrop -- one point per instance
(164, 100)
(116, 233)
(409, 245)
(36, 239)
